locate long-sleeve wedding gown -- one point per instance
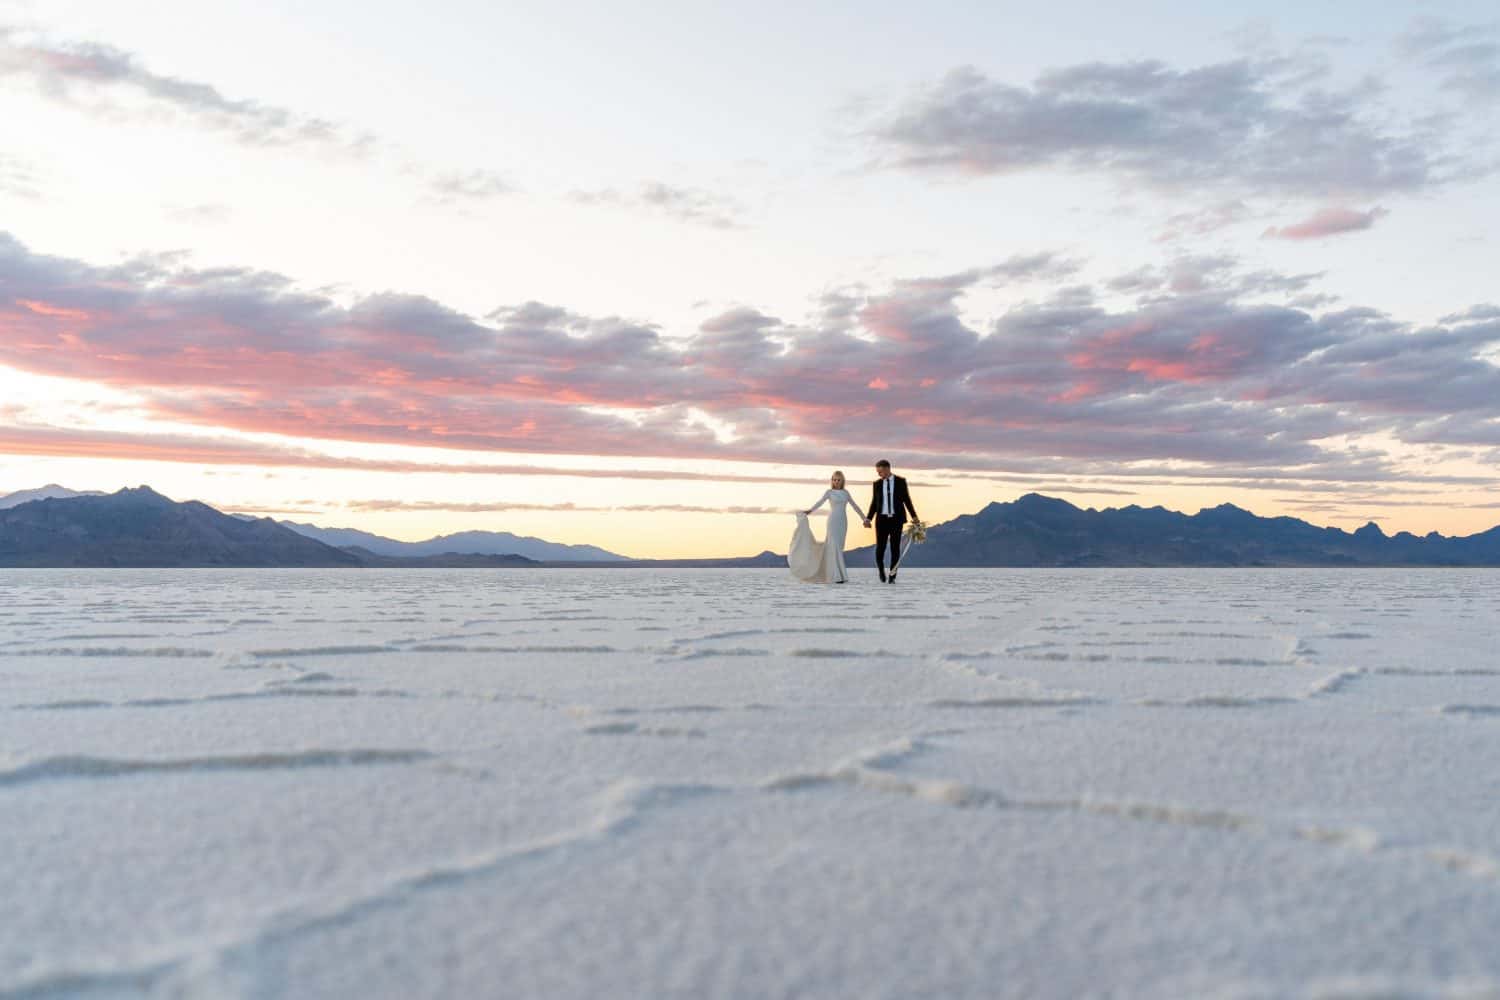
(813, 561)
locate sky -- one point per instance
(642, 278)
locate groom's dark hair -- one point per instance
(882, 464)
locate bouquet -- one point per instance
(917, 531)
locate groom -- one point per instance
(888, 506)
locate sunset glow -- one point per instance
(653, 308)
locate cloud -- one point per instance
(1033, 485)
(1326, 222)
(112, 83)
(467, 186)
(115, 85)
(17, 438)
(367, 506)
(204, 213)
(1206, 372)
(1468, 57)
(1249, 126)
(18, 178)
(1204, 221)
(685, 204)
(1188, 274)
(1473, 314)
(384, 506)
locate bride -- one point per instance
(813, 561)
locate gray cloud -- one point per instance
(92, 76)
(1204, 221)
(467, 186)
(685, 204)
(19, 178)
(1187, 274)
(114, 85)
(1473, 314)
(1262, 126)
(204, 213)
(1045, 266)
(1468, 56)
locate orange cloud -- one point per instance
(47, 309)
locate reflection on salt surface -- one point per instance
(665, 782)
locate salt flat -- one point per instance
(577, 783)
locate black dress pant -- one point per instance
(887, 532)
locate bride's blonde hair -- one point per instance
(839, 476)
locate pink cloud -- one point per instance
(900, 369)
(64, 442)
(1326, 222)
(43, 309)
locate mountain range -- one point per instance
(439, 548)
(1037, 530)
(463, 542)
(139, 527)
(51, 491)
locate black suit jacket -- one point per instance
(901, 501)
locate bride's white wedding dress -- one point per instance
(813, 561)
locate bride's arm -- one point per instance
(821, 501)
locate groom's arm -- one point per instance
(906, 499)
(874, 501)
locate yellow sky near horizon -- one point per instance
(690, 517)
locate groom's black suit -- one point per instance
(888, 526)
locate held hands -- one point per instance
(867, 522)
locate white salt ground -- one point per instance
(575, 783)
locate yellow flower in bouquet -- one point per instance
(918, 532)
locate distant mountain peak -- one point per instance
(52, 491)
(459, 543)
(1370, 530)
(1227, 509)
(1043, 501)
(144, 495)
(139, 527)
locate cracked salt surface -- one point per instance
(718, 783)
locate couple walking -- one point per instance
(823, 562)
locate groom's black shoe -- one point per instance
(893, 575)
(882, 573)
